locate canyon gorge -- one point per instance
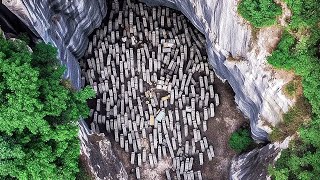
(235, 50)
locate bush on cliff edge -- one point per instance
(240, 140)
(259, 13)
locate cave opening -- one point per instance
(157, 98)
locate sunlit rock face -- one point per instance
(254, 165)
(65, 24)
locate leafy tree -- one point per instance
(38, 114)
(259, 13)
(305, 12)
(24, 37)
(282, 56)
(240, 140)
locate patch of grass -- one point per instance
(293, 88)
(292, 120)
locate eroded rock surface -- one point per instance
(97, 150)
(254, 164)
(256, 161)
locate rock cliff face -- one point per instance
(99, 156)
(65, 24)
(256, 161)
(236, 53)
(254, 164)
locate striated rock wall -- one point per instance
(254, 164)
(65, 24)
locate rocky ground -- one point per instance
(228, 118)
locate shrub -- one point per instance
(259, 13)
(292, 87)
(240, 140)
(24, 37)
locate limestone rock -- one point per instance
(100, 159)
(254, 164)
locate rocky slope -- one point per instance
(99, 156)
(236, 53)
(254, 164)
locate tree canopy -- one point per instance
(259, 13)
(240, 140)
(38, 114)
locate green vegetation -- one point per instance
(240, 140)
(298, 50)
(38, 114)
(292, 120)
(24, 37)
(291, 88)
(259, 13)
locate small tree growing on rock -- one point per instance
(240, 140)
